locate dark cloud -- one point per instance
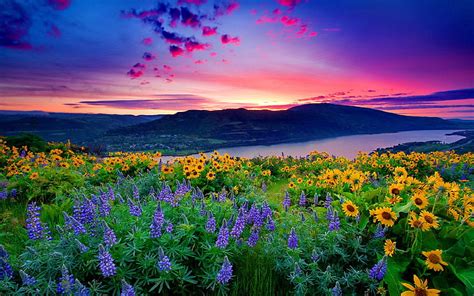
(209, 31)
(425, 106)
(15, 24)
(289, 3)
(226, 39)
(148, 56)
(189, 19)
(176, 50)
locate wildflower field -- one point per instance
(134, 224)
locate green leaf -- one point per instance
(393, 277)
(466, 276)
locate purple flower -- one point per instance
(266, 210)
(316, 199)
(380, 231)
(106, 262)
(253, 238)
(164, 263)
(27, 279)
(104, 205)
(264, 187)
(80, 289)
(66, 282)
(13, 193)
(225, 274)
(286, 201)
(336, 291)
(302, 201)
(292, 239)
(222, 196)
(3, 194)
(157, 223)
(315, 256)
(127, 289)
(377, 272)
(315, 216)
(109, 236)
(239, 226)
(6, 270)
(211, 223)
(169, 227)
(328, 201)
(270, 224)
(73, 224)
(182, 188)
(165, 194)
(334, 222)
(136, 192)
(223, 237)
(33, 223)
(135, 209)
(82, 248)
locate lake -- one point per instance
(347, 146)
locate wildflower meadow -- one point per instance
(210, 224)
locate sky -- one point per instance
(412, 57)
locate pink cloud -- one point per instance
(176, 51)
(289, 3)
(226, 39)
(193, 45)
(134, 74)
(148, 56)
(289, 21)
(209, 31)
(147, 41)
(196, 2)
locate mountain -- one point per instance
(196, 130)
(79, 128)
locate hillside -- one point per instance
(201, 130)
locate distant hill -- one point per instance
(196, 130)
(79, 128)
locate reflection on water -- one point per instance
(347, 146)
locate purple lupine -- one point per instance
(136, 192)
(3, 194)
(164, 263)
(13, 193)
(157, 223)
(27, 279)
(239, 226)
(336, 291)
(292, 239)
(316, 199)
(202, 210)
(334, 222)
(72, 223)
(223, 237)
(211, 223)
(82, 248)
(328, 201)
(302, 217)
(33, 223)
(135, 209)
(380, 231)
(266, 210)
(264, 187)
(315, 256)
(222, 196)
(377, 272)
(111, 193)
(182, 188)
(127, 289)
(165, 194)
(104, 205)
(225, 273)
(110, 238)
(302, 201)
(270, 224)
(315, 216)
(253, 238)
(169, 227)
(286, 201)
(106, 262)
(6, 270)
(87, 213)
(80, 289)
(3, 253)
(66, 282)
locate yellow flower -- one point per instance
(395, 189)
(417, 222)
(34, 176)
(385, 215)
(211, 175)
(350, 209)
(400, 173)
(291, 185)
(420, 288)
(389, 247)
(299, 180)
(394, 199)
(434, 260)
(419, 200)
(430, 219)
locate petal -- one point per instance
(408, 286)
(417, 281)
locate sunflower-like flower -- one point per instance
(420, 288)
(395, 189)
(420, 200)
(389, 247)
(350, 209)
(430, 219)
(385, 215)
(434, 260)
(211, 175)
(417, 222)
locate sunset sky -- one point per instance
(154, 57)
